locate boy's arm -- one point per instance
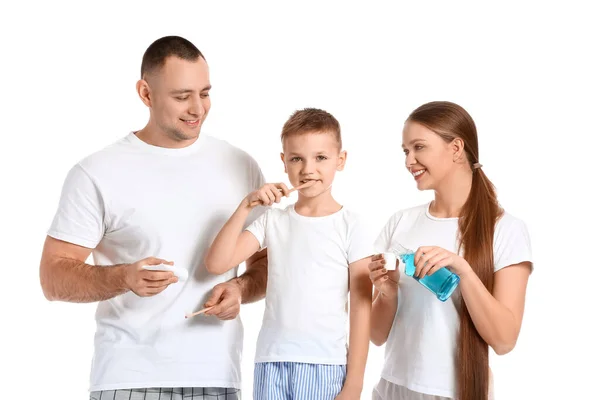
(232, 245)
(360, 314)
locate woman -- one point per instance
(436, 349)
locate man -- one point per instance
(157, 196)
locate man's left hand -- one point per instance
(225, 300)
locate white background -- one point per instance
(527, 73)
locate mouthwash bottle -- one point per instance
(442, 283)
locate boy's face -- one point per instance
(312, 157)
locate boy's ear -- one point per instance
(342, 160)
(284, 167)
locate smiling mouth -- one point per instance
(303, 181)
(418, 173)
(191, 122)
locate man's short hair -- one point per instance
(158, 52)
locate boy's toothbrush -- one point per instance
(305, 184)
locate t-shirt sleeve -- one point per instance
(383, 241)
(259, 228)
(80, 215)
(362, 235)
(512, 244)
(257, 180)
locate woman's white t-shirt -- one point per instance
(420, 350)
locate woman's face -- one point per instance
(429, 158)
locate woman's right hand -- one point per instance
(267, 195)
(385, 281)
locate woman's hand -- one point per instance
(384, 280)
(429, 259)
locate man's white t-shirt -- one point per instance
(420, 349)
(306, 316)
(133, 200)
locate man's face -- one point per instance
(179, 98)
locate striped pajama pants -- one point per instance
(297, 381)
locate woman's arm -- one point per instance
(385, 304)
(498, 316)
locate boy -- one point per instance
(318, 251)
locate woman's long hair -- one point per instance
(476, 223)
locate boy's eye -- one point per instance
(321, 158)
(419, 147)
(295, 159)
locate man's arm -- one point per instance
(65, 276)
(253, 282)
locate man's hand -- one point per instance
(225, 300)
(146, 283)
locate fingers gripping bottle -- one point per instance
(442, 283)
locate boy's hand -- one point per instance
(348, 394)
(267, 195)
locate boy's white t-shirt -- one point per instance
(420, 349)
(306, 316)
(133, 200)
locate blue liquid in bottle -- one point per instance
(442, 283)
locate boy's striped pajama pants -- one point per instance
(297, 381)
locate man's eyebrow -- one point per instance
(185, 91)
(181, 91)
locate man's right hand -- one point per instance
(146, 283)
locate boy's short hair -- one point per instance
(312, 120)
(158, 52)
